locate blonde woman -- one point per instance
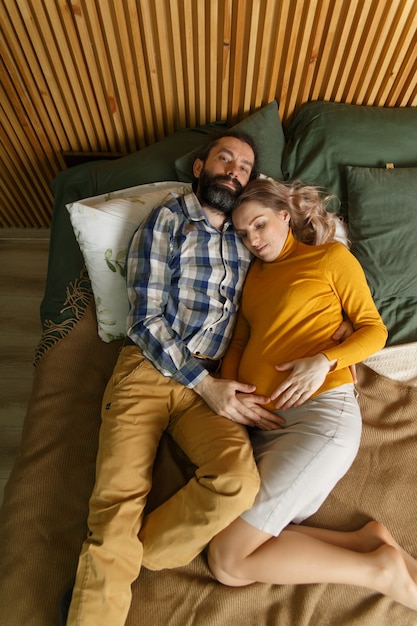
(293, 300)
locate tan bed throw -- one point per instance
(43, 519)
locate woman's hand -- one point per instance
(237, 402)
(305, 377)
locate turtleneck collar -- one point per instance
(289, 247)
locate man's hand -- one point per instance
(237, 402)
(344, 331)
(268, 420)
(306, 376)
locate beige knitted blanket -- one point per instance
(43, 519)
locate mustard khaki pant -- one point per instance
(138, 405)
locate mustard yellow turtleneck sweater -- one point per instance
(290, 309)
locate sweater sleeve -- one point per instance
(349, 282)
(231, 360)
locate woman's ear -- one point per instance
(197, 167)
(285, 215)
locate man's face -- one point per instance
(225, 172)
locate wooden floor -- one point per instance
(23, 265)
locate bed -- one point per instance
(367, 158)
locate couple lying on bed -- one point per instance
(186, 269)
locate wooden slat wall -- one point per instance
(117, 75)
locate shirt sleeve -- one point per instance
(149, 279)
(349, 282)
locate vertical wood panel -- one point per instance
(117, 75)
(179, 76)
(224, 75)
(399, 37)
(187, 47)
(403, 90)
(214, 46)
(90, 85)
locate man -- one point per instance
(185, 271)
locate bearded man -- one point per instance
(185, 271)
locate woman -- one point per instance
(294, 295)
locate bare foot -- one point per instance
(374, 534)
(392, 577)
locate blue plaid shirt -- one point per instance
(184, 281)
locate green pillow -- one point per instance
(265, 128)
(382, 207)
(325, 137)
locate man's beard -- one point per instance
(217, 196)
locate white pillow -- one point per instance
(103, 226)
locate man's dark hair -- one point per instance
(205, 149)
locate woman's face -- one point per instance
(262, 230)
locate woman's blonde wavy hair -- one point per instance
(309, 219)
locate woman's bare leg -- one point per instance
(242, 554)
(367, 539)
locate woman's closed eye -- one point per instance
(242, 234)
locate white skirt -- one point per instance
(300, 463)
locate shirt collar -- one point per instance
(195, 212)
